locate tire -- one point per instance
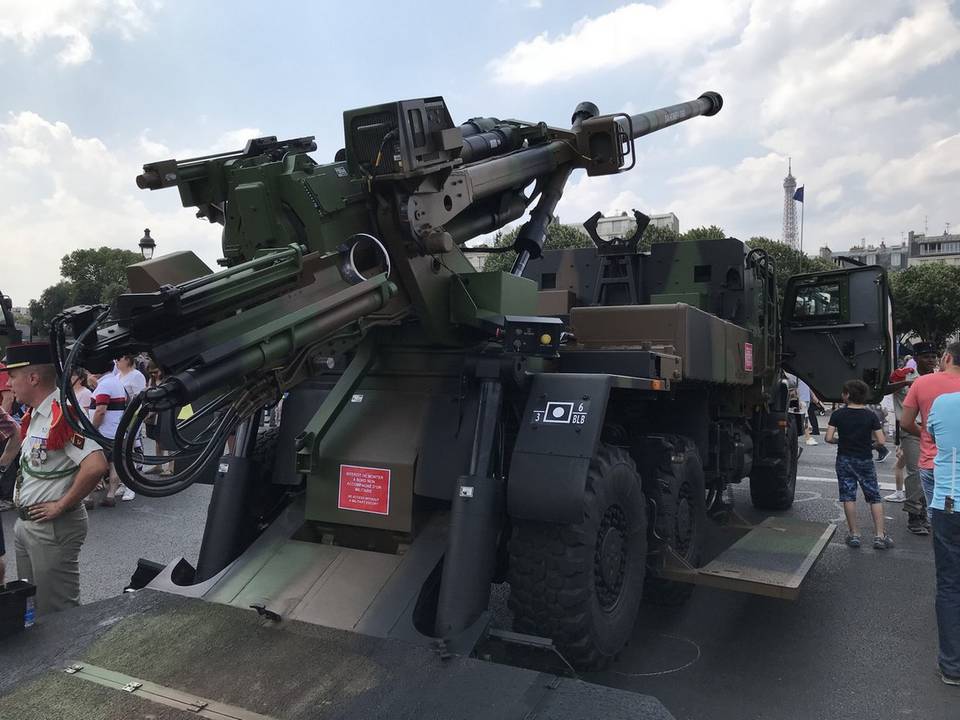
(265, 452)
(772, 486)
(263, 498)
(681, 520)
(581, 585)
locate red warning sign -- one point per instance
(748, 357)
(364, 489)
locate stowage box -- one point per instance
(711, 349)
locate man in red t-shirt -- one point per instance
(916, 406)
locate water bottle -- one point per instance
(29, 613)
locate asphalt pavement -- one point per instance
(860, 642)
(160, 529)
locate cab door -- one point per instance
(838, 326)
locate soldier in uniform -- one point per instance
(58, 469)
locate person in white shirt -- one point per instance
(108, 403)
(132, 379)
(58, 469)
(83, 394)
(808, 410)
(134, 383)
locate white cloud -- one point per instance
(936, 164)
(851, 69)
(586, 195)
(835, 86)
(62, 192)
(843, 88)
(152, 150)
(70, 24)
(612, 40)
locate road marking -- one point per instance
(671, 670)
(811, 496)
(812, 478)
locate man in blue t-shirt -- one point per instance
(943, 425)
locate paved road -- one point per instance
(859, 643)
(161, 529)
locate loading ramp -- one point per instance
(771, 559)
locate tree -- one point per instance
(93, 272)
(558, 237)
(654, 234)
(90, 276)
(788, 261)
(704, 233)
(52, 300)
(926, 301)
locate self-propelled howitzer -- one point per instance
(319, 254)
(410, 375)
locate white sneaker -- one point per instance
(811, 441)
(898, 496)
(128, 495)
(728, 498)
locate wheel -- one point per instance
(265, 451)
(264, 499)
(581, 584)
(681, 521)
(772, 485)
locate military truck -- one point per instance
(563, 427)
(702, 319)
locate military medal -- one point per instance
(38, 453)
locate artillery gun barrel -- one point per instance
(514, 170)
(648, 122)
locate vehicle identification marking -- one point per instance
(340, 170)
(364, 489)
(748, 357)
(357, 398)
(563, 413)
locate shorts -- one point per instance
(853, 471)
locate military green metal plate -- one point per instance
(772, 559)
(196, 652)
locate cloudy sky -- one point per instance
(863, 94)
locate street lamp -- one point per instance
(147, 245)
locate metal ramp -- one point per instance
(771, 559)
(373, 593)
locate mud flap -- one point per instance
(558, 437)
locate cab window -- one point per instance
(820, 302)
